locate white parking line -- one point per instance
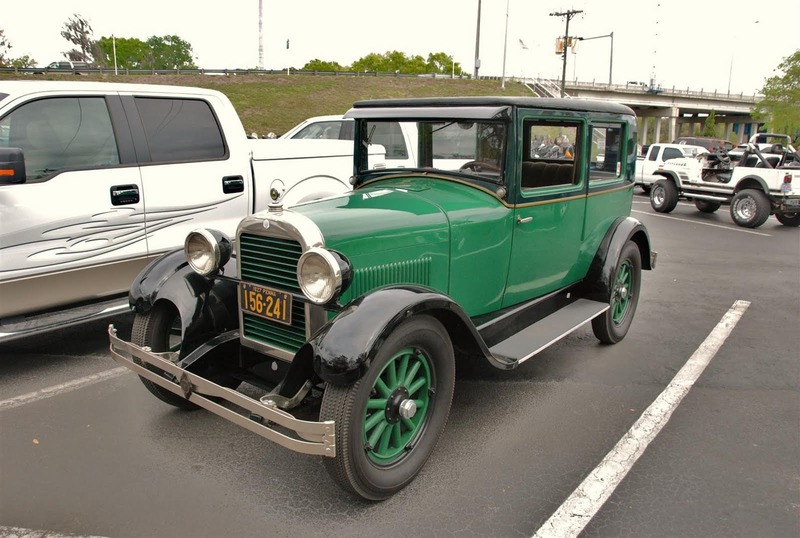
(587, 499)
(730, 229)
(62, 388)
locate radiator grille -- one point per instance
(272, 262)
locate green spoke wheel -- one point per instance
(612, 326)
(389, 421)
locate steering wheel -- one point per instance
(480, 167)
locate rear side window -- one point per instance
(654, 153)
(181, 130)
(606, 157)
(61, 133)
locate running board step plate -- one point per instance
(531, 340)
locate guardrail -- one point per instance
(553, 83)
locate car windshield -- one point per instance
(473, 148)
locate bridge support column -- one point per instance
(674, 112)
(658, 130)
(753, 128)
(643, 135)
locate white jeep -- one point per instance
(764, 181)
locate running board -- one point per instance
(537, 337)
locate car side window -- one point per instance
(61, 133)
(672, 153)
(606, 158)
(654, 153)
(181, 130)
(389, 135)
(552, 149)
(326, 130)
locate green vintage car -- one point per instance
(347, 317)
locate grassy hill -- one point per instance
(275, 103)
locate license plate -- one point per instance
(792, 201)
(267, 303)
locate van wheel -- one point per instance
(750, 208)
(706, 206)
(611, 326)
(389, 421)
(788, 220)
(664, 196)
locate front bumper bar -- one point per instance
(315, 438)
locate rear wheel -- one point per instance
(750, 208)
(706, 206)
(612, 326)
(664, 196)
(389, 421)
(788, 220)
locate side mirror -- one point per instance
(12, 166)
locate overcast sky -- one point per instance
(709, 45)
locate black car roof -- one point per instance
(360, 108)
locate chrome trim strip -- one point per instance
(317, 438)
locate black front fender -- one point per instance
(598, 283)
(207, 306)
(345, 347)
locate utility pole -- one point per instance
(261, 34)
(478, 42)
(568, 15)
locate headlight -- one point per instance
(207, 251)
(321, 274)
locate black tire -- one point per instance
(706, 206)
(375, 457)
(611, 326)
(157, 329)
(750, 208)
(664, 196)
(788, 220)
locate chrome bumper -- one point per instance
(315, 438)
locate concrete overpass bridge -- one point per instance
(672, 108)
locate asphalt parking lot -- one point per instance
(86, 450)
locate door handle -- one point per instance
(124, 194)
(525, 220)
(231, 184)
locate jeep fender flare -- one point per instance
(207, 306)
(669, 176)
(343, 349)
(751, 181)
(599, 280)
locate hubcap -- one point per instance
(398, 406)
(658, 195)
(746, 208)
(620, 295)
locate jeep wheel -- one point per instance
(664, 196)
(788, 220)
(750, 208)
(706, 206)
(612, 326)
(389, 421)
(160, 330)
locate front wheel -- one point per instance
(389, 421)
(160, 330)
(750, 208)
(706, 206)
(788, 220)
(664, 196)
(611, 326)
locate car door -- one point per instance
(191, 175)
(549, 209)
(74, 229)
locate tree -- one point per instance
(443, 64)
(23, 61)
(710, 127)
(397, 62)
(5, 46)
(170, 52)
(131, 53)
(780, 108)
(319, 65)
(78, 31)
